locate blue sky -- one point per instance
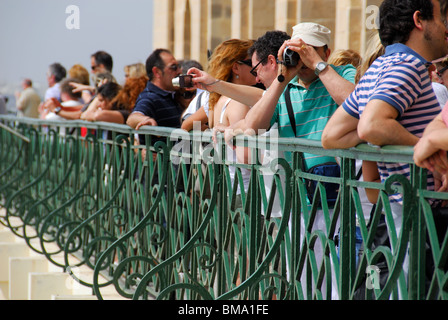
(34, 34)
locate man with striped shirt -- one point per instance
(394, 101)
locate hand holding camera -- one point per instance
(183, 81)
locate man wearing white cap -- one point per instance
(316, 89)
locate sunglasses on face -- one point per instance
(441, 71)
(174, 67)
(254, 69)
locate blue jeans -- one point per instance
(358, 245)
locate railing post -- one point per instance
(417, 238)
(347, 231)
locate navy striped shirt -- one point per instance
(401, 79)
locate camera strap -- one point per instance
(292, 119)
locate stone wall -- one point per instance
(191, 27)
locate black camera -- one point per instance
(183, 81)
(290, 58)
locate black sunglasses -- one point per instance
(441, 71)
(247, 62)
(254, 69)
(174, 67)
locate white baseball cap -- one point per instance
(312, 34)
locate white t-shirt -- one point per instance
(53, 92)
(441, 93)
(70, 103)
(195, 106)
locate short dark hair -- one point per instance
(155, 60)
(187, 64)
(269, 44)
(58, 71)
(109, 90)
(102, 57)
(67, 88)
(28, 82)
(396, 18)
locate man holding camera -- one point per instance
(316, 90)
(156, 105)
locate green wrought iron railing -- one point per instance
(135, 215)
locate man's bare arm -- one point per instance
(338, 87)
(137, 120)
(341, 131)
(378, 126)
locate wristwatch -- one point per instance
(57, 110)
(321, 66)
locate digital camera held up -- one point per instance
(183, 81)
(290, 58)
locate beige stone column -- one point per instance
(285, 15)
(349, 24)
(181, 26)
(319, 11)
(263, 17)
(163, 24)
(199, 30)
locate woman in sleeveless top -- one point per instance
(230, 62)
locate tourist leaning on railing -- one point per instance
(317, 85)
(394, 101)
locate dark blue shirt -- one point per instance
(159, 105)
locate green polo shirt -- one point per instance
(312, 108)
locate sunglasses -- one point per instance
(174, 67)
(442, 71)
(247, 62)
(254, 69)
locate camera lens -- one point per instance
(176, 82)
(290, 58)
(183, 81)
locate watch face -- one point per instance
(320, 67)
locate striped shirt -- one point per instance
(401, 79)
(312, 108)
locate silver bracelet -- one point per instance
(210, 84)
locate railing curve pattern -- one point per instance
(173, 220)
